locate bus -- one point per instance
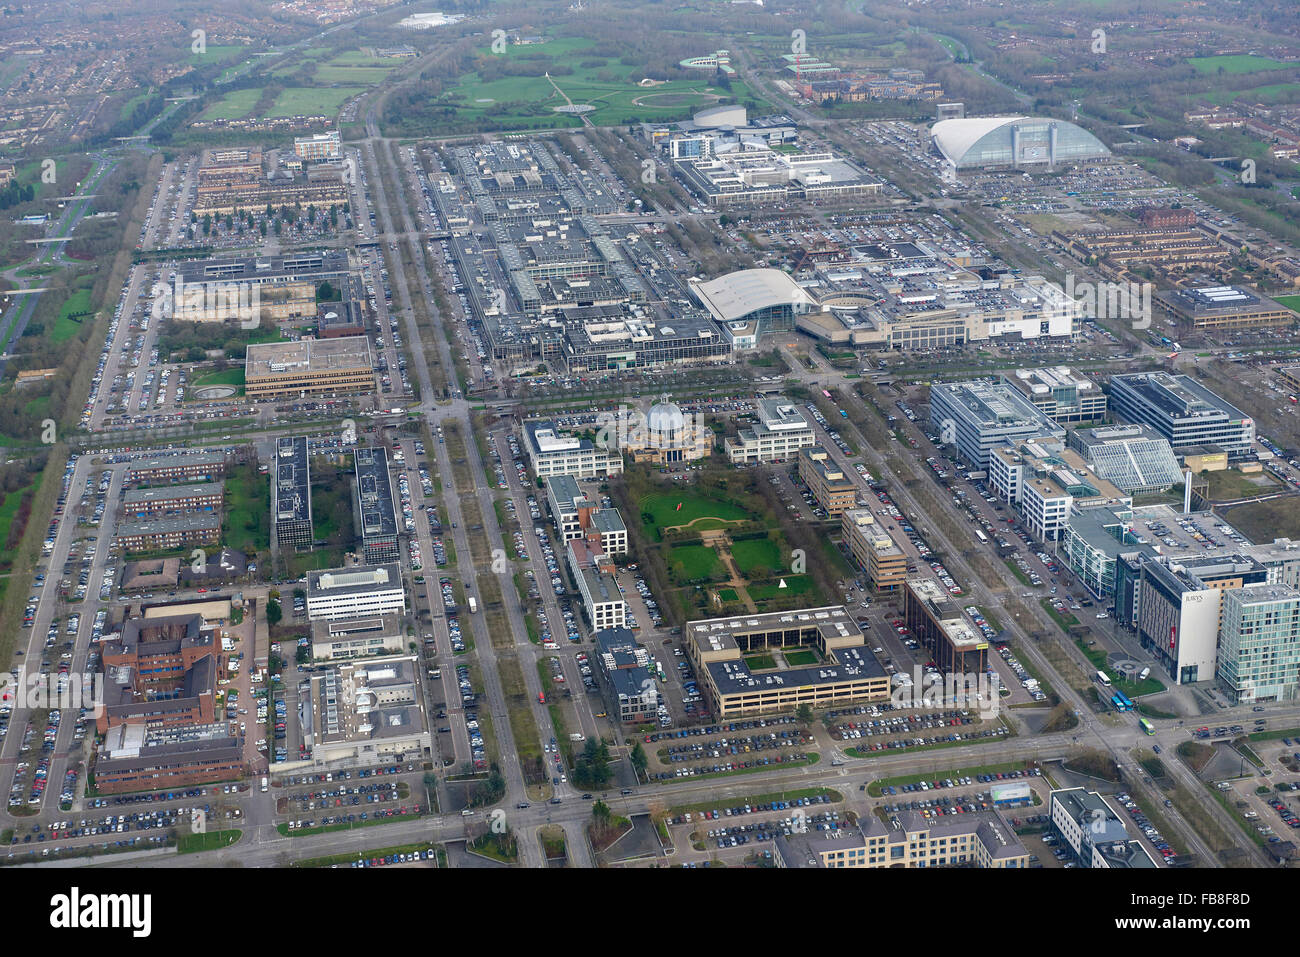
(1145, 725)
(1124, 703)
(1103, 678)
(825, 393)
(1117, 702)
(984, 539)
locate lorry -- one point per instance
(473, 605)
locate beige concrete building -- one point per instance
(781, 660)
(829, 484)
(874, 548)
(310, 367)
(965, 840)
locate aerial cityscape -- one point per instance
(605, 434)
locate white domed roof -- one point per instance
(665, 416)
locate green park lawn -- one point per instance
(757, 554)
(693, 562)
(662, 509)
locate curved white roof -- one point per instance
(737, 294)
(954, 137)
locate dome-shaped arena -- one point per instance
(981, 142)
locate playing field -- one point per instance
(235, 105)
(663, 511)
(1240, 63)
(693, 562)
(1291, 302)
(303, 101)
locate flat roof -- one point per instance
(307, 357)
(136, 496)
(374, 493)
(198, 521)
(355, 580)
(291, 484)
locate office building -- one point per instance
(830, 485)
(1223, 307)
(1178, 610)
(552, 453)
(378, 518)
(1046, 482)
(593, 573)
(722, 652)
(361, 591)
(365, 712)
(1134, 458)
(1063, 395)
(1181, 411)
(1094, 832)
(135, 758)
(779, 431)
(1259, 643)
(636, 694)
(291, 494)
(357, 637)
(979, 416)
(309, 367)
(937, 622)
(983, 839)
(874, 549)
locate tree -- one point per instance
(638, 758)
(600, 812)
(273, 612)
(804, 714)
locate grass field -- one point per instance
(9, 510)
(233, 376)
(795, 585)
(215, 53)
(662, 509)
(1233, 483)
(759, 555)
(235, 105)
(801, 659)
(247, 525)
(65, 327)
(693, 562)
(304, 101)
(1236, 64)
(1291, 302)
(602, 83)
(1265, 521)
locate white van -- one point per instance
(264, 785)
